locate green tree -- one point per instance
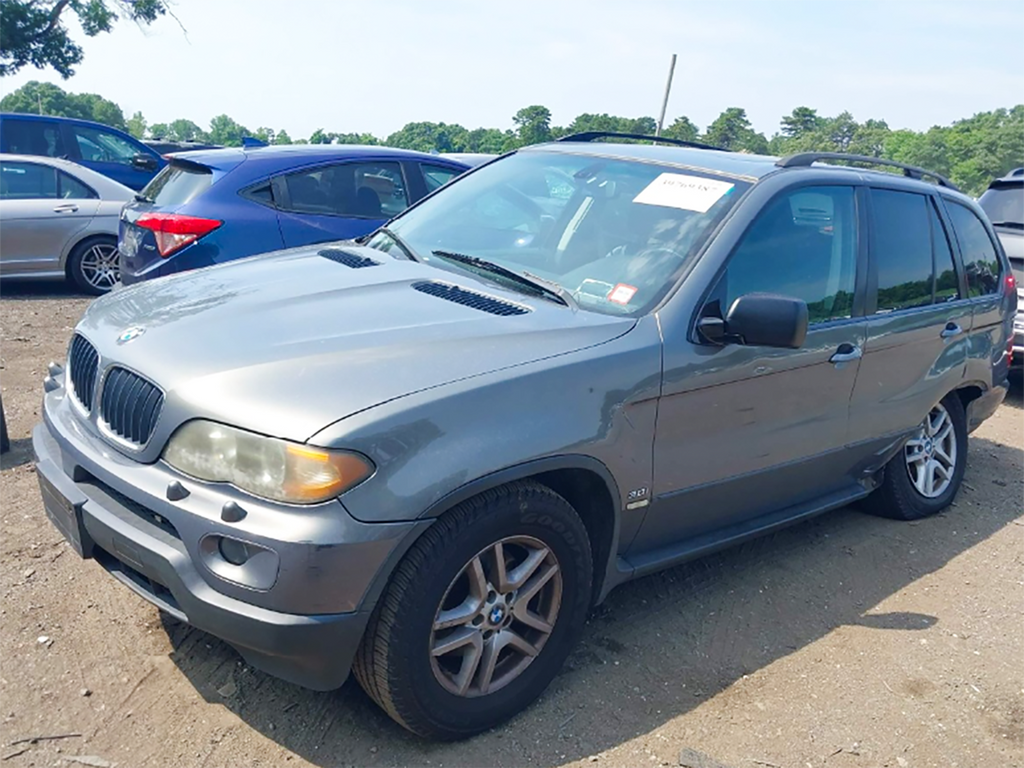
(732, 130)
(489, 140)
(137, 125)
(48, 99)
(429, 137)
(184, 130)
(282, 137)
(800, 122)
(225, 131)
(33, 32)
(533, 125)
(682, 128)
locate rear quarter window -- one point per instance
(178, 184)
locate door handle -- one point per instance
(951, 330)
(66, 208)
(846, 353)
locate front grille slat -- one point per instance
(84, 364)
(130, 405)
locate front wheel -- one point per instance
(481, 613)
(925, 476)
(93, 265)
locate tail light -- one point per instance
(174, 231)
(1011, 283)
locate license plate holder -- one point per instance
(66, 516)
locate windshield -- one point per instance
(1004, 204)
(613, 233)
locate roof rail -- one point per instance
(806, 159)
(592, 135)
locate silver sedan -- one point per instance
(59, 220)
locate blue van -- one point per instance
(104, 149)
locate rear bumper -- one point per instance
(1018, 341)
(983, 407)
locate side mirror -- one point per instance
(759, 320)
(144, 162)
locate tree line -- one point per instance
(971, 151)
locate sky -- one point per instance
(375, 66)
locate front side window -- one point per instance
(902, 249)
(27, 181)
(802, 245)
(979, 255)
(364, 190)
(103, 147)
(614, 233)
(33, 137)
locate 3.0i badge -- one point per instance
(130, 333)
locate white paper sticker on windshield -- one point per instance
(676, 190)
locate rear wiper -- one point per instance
(141, 198)
(537, 286)
(1012, 224)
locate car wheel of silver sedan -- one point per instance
(480, 614)
(93, 265)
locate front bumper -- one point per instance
(305, 627)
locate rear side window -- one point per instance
(979, 255)
(947, 287)
(802, 245)
(902, 249)
(33, 137)
(360, 190)
(71, 188)
(103, 147)
(177, 184)
(27, 181)
(436, 176)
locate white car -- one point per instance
(59, 220)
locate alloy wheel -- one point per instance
(931, 454)
(496, 616)
(99, 266)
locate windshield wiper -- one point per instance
(402, 245)
(537, 286)
(1011, 224)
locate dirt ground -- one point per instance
(846, 642)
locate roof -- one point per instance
(302, 154)
(105, 187)
(58, 118)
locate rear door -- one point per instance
(339, 201)
(41, 210)
(918, 318)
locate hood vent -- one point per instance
(349, 259)
(470, 299)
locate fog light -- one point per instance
(234, 551)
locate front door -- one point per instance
(744, 431)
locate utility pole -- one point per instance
(668, 89)
(39, 101)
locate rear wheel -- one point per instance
(93, 265)
(481, 613)
(925, 476)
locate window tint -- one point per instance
(1004, 204)
(103, 147)
(365, 190)
(33, 137)
(435, 176)
(71, 188)
(803, 245)
(27, 181)
(177, 184)
(947, 287)
(261, 194)
(979, 256)
(902, 249)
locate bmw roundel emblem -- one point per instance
(130, 333)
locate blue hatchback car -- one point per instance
(212, 206)
(105, 150)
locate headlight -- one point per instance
(263, 466)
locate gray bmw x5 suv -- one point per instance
(423, 457)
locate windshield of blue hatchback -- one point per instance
(614, 233)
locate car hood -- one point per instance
(285, 344)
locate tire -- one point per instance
(402, 662)
(93, 265)
(900, 495)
